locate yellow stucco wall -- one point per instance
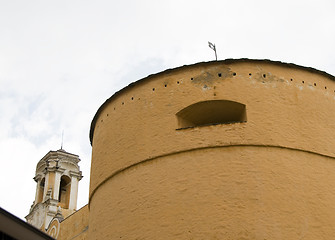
(268, 178)
(75, 226)
(51, 180)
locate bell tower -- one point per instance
(57, 177)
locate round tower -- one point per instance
(57, 177)
(233, 149)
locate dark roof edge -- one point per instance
(226, 61)
(30, 231)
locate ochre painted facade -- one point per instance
(264, 170)
(75, 226)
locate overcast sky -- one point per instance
(60, 60)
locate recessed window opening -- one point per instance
(64, 191)
(211, 113)
(41, 191)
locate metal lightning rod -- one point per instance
(212, 46)
(61, 146)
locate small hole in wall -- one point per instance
(132, 98)
(264, 75)
(291, 79)
(191, 79)
(314, 84)
(177, 82)
(153, 89)
(219, 74)
(107, 114)
(234, 74)
(122, 103)
(249, 74)
(303, 81)
(325, 87)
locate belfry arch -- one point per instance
(40, 191)
(64, 192)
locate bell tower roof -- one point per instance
(53, 159)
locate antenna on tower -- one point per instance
(212, 46)
(61, 146)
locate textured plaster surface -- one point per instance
(220, 193)
(267, 178)
(75, 226)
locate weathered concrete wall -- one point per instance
(270, 177)
(75, 226)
